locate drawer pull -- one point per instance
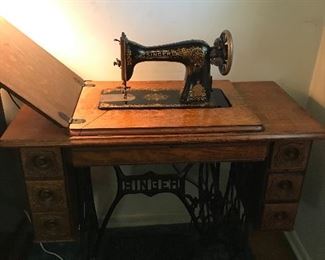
(280, 215)
(51, 224)
(42, 162)
(45, 195)
(291, 153)
(285, 185)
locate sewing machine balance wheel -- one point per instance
(224, 44)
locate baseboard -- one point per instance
(147, 220)
(297, 246)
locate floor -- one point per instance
(271, 246)
(171, 242)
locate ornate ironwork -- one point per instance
(196, 55)
(209, 209)
(149, 184)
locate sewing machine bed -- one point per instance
(156, 99)
(90, 120)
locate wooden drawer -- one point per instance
(283, 187)
(279, 216)
(52, 226)
(290, 155)
(41, 163)
(46, 195)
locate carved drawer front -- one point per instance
(283, 187)
(41, 163)
(46, 195)
(51, 227)
(279, 216)
(290, 155)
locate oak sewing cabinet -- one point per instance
(49, 156)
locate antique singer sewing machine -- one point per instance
(196, 55)
(64, 134)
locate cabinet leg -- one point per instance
(87, 213)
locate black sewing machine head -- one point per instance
(196, 55)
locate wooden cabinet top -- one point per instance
(279, 114)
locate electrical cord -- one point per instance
(41, 244)
(49, 252)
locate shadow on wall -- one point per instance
(315, 179)
(310, 225)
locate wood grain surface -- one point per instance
(290, 155)
(279, 113)
(36, 77)
(283, 187)
(279, 216)
(290, 121)
(52, 226)
(165, 154)
(46, 196)
(42, 163)
(237, 118)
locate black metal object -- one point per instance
(156, 98)
(88, 223)
(196, 55)
(209, 210)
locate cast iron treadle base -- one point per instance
(209, 209)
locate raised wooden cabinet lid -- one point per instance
(36, 76)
